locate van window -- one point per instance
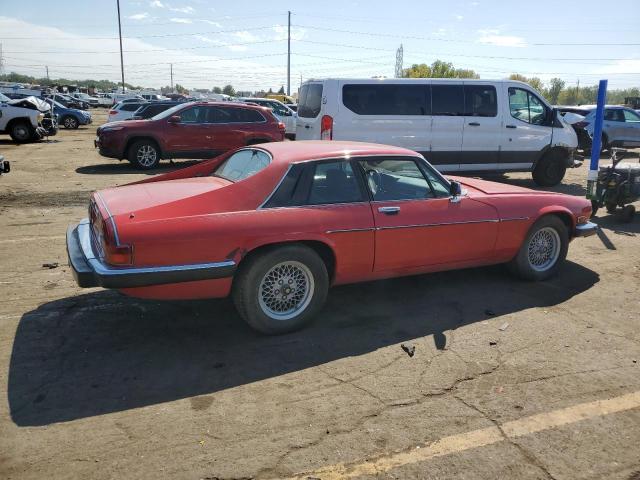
(368, 99)
(525, 106)
(310, 100)
(447, 100)
(480, 101)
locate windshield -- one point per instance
(4, 98)
(242, 164)
(168, 113)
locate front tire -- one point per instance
(281, 289)
(21, 132)
(543, 250)
(144, 154)
(70, 123)
(551, 168)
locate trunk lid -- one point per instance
(486, 187)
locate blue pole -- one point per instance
(596, 144)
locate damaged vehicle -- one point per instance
(5, 167)
(26, 119)
(275, 225)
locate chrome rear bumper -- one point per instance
(586, 229)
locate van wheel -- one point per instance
(281, 290)
(550, 169)
(21, 132)
(70, 122)
(144, 154)
(543, 250)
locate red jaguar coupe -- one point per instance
(276, 224)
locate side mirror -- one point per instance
(455, 189)
(174, 119)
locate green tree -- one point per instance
(281, 91)
(180, 89)
(228, 90)
(555, 87)
(217, 90)
(438, 69)
(535, 82)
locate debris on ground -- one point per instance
(504, 326)
(410, 349)
(492, 342)
(51, 265)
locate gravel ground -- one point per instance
(508, 380)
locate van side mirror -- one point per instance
(174, 119)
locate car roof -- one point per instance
(303, 150)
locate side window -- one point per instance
(391, 179)
(630, 116)
(525, 106)
(372, 99)
(447, 100)
(334, 182)
(613, 115)
(438, 185)
(193, 115)
(480, 101)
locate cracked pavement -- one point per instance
(98, 385)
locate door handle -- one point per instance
(307, 126)
(474, 124)
(511, 126)
(389, 210)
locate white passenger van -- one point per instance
(458, 125)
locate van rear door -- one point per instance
(309, 107)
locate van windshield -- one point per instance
(310, 100)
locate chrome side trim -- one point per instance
(419, 225)
(347, 230)
(513, 219)
(113, 223)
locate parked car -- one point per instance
(281, 97)
(91, 101)
(68, 101)
(459, 125)
(69, 118)
(153, 97)
(124, 110)
(620, 128)
(126, 97)
(151, 109)
(188, 130)
(275, 225)
(5, 166)
(104, 99)
(280, 110)
(26, 119)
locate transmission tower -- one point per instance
(399, 62)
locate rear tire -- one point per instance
(550, 169)
(281, 289)
(144, 154)
(21, 132)
(543, 250)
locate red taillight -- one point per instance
(112, 112)
(580, 124)
(282, 127)
(326, 128)
(104, 240)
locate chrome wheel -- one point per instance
(286, 290)
(70, 122)
(543, 249)
(146, 155)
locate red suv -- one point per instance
(189, 130)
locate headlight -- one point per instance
(40, 117)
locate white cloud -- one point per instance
(493, 37)
(620, 66)
(237, 48)
(211, 22)
(188, 10)
(206, 39)
(245, 36)
(297, 33)
(441, 32)
(180, 20)
(139, 16)
(459, 17)
(156, 4)
(474, 4)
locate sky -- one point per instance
(244, 43)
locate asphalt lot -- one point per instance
(508, 380)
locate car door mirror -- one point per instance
(455, 189)
(174, 119)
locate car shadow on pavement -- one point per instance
(102, 352)
(612, 222)
(124, 167)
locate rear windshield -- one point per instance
(242, 164)
(130, 107)
(310, 100)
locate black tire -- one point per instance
(522, 264)
(252, 290)
(70, 122)
(21, 132)
(611, 208)
(604, 144)
(144, 154)
(627, 213)
(550, 169)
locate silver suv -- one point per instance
(621, 127)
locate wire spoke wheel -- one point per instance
(543, 249)
(146, 155)
(286, 290)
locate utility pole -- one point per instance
(47, 67)
(289, 55)
(171, 77)
(1, 61)
(399, 62)
(120, 35)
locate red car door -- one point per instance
(417, 223)
(228, 127)
(187, 138)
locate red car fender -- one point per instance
(562, 212)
